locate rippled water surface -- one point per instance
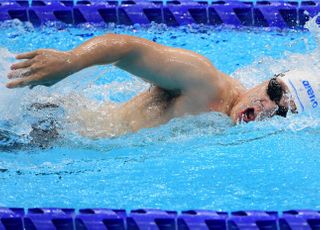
(199, 162)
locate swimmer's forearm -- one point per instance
(47, 67)
(105, 49)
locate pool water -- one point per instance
(201, 162)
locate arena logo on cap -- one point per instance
(310, 93)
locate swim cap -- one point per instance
(304, 87)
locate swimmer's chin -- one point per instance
(236, 121)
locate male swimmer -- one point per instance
(185, 82)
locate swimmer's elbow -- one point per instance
(121, 45)
(105, 49)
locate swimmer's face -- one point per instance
(263, 101)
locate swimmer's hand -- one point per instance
(41, 67)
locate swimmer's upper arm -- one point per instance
(169, 68)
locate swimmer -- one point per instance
(184, 82)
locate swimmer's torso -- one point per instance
(148, 109)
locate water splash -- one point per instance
(205, 157)
(266, 67)
(112, 86)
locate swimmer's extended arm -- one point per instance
(167, 67)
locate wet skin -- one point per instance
(185, 82)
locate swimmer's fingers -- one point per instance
(23, 64)
(19, 83)
(28, 55)
(20, 73)
(12, 75)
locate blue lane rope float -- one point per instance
(141, 219)
(279, 14)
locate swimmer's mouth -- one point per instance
(247, 115)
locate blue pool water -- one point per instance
(199, 162)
